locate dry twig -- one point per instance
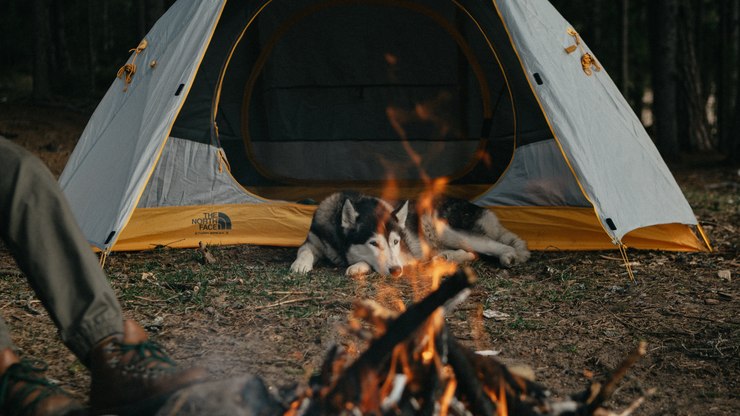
(285, 302)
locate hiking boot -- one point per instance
(25, 391)
(131, 375)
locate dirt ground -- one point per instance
(571, 316)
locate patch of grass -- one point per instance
(569, 293)
(521, 324)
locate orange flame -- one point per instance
(431, 272)
(449, 392)
(390, 191)
(502, 409)
(500, 399)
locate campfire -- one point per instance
(414, 365)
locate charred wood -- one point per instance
(348, 386)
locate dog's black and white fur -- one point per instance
(457, 230)
(367, 234)
(353, 230)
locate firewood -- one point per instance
(347, 388)
(468, 382)
(604, 393)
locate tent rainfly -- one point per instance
(232, 116)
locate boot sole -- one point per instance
(144, 407)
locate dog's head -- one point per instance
(374, 232)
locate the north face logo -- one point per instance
(213, 221)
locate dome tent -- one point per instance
(230, 112)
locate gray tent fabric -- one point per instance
(192, 173)
(109, 168)
(538, 176)
(614, 159)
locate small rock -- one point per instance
(488, 353)
(725, 275)
(495, 315)
(711, 301)
(246, 395)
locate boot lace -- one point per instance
(147, 355)
(26, 374)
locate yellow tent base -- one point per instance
(551, 228)
(287, 224)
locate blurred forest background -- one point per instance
(676, 61)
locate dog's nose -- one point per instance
(396, 271)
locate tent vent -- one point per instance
(538, 78)
(611, 225)
(179, 89)
(110, 237)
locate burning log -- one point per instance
(348, 387)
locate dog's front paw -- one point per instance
(508, 258)
(301, 266)
(456, 256)
(522, 255)
(358, 269)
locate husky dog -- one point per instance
(366, 234)
(457, 230)
(354, 230)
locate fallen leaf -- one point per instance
(725, 275)
(207, 256)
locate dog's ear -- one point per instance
(349, 215)
(401, 214)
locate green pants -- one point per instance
(40, 231)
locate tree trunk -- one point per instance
(733, 151)
(596, 18)
(62, 60)
(154, 12)
(625, 84)
(640, 79)
(141, 15)
(723, 76)
(663, 45)
(694, 126)
(41, 46)
(106, 39)
(92, 58)
(148, 12)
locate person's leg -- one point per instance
(129, 373)
(39, 229)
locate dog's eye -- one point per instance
(374, 244)
(395, 242)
